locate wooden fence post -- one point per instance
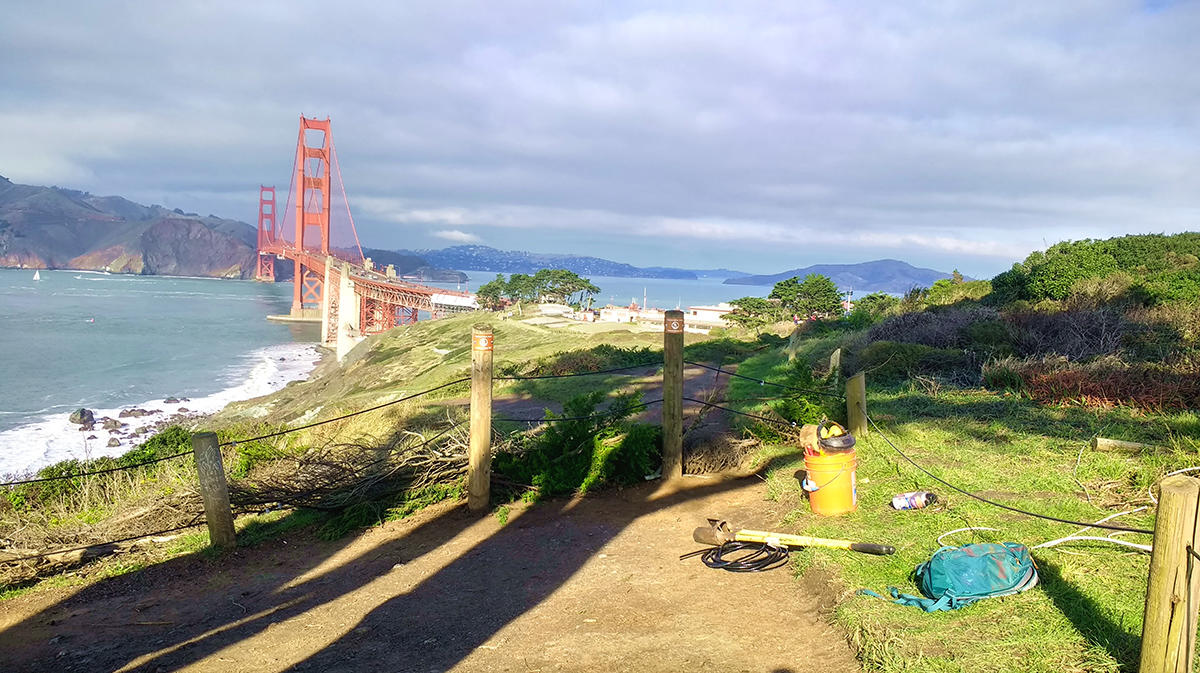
(1173, 590)
(479, 459)
(856, 404)
(672, 411)
(214, 490)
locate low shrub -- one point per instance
(25, 496)
(1074, 334)
(1104, 381)
(575, 456)
(1003, 374)
(596, 358)
(890, 362)
(949, 328)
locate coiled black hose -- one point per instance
(742, 557)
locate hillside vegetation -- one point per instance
(49, 227)
(998, 395)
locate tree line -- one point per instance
(556, 285)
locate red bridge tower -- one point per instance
(266, 234)
(312, 211)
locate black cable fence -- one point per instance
(97, 545)
(93, 473)
(756, 417)
(993, 503)
(233, 443)
(345, 416)
(601, 414)
(540, 377)
(763, 382)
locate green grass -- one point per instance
(1086, 615)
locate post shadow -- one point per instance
(1087, 618)
(521, 572)
(27, 646)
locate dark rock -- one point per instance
(111, 423)
(171, 400)
(183, 410)
(91, 436)
(87, 427)
(82, 416)
(114, 442)
(136, 412)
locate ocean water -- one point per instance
(111, 342)
(661, 293)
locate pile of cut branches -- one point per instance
(338, 476)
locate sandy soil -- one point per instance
(587, 585)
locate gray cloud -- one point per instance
(747, 134)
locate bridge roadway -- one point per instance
(379, 302)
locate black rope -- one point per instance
(761, 382)
(557, 419)
(993, 502)
(349, 415)
(742, 557)
(566, 376)
(233, 442)
(764, 419)
(95, 472)
(102, 544)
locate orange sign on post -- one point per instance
(481, 342)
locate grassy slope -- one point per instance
(407, 361)
(1086, 615)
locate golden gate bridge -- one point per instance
(336, 287)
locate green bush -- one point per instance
(170, 441)
(1003, 374)
(575, 456)
(890, 362)
(596, 358)
(1181, 286)
(991, 337)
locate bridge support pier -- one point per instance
(329, 307)
(349, 331)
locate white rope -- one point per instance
(962, 530)
(1069, 538)
(1150, 491)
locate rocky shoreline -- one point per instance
(89, 433)
(121, 432)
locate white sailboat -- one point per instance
(37, 275)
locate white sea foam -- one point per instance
(53, 438)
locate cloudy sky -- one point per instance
(752, 135)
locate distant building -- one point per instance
(631, 313)
(707, 315)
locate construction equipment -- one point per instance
(718, 532)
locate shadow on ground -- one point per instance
(190, 609)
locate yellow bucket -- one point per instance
(829, 480)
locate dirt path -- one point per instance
(586, 585)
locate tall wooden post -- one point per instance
(1173, 590)
(672, 411)
(214, 490)
(856, 404)
(479, 460)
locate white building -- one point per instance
(707, 315)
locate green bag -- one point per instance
(958, 576)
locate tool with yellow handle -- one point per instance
(718, 532)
